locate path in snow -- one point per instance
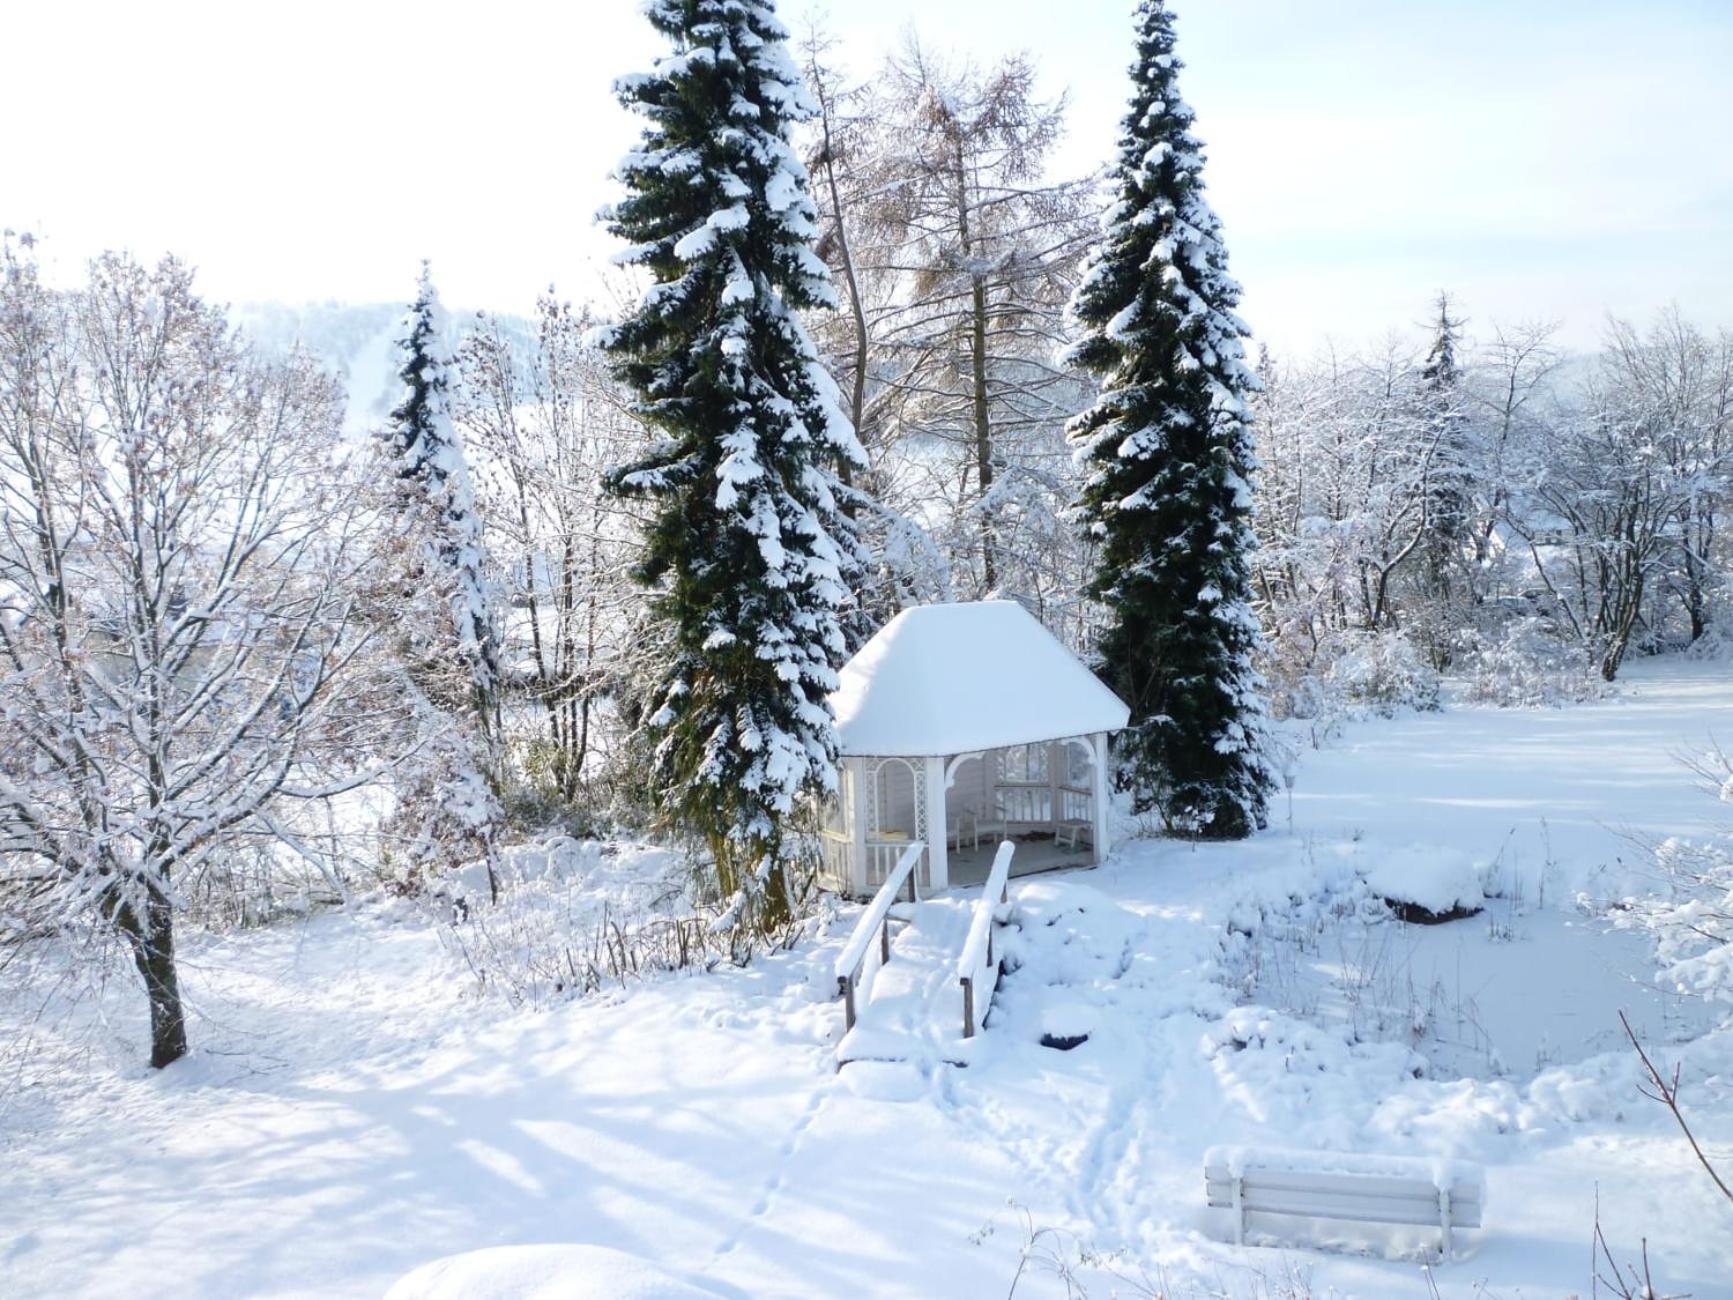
(347, 1115)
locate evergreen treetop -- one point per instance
(1167, 455)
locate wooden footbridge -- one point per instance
(918, 975)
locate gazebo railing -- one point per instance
(1076, 805)
(1024, 803)
(882, 858)
(836, 853)
(1030, 804)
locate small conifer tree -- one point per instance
(440, 618)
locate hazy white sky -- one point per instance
(1550, 158)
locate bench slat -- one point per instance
(1366, 1208)
(1420, 1188)
(1406, 1197)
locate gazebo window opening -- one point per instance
(897, 808)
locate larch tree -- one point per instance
(1167, 452)
(441, 610)
(747, 550)
(970, 254)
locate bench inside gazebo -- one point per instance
(960, 726)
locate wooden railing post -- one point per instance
(877, 916)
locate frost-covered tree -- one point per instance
(546, 423)
(970, 253)
(441, 611)
(747, 550)
(176, 639)
(437, 495)
(1167, 450)
(1449, 458)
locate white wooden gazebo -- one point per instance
(962, 725)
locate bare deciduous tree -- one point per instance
(174, 628)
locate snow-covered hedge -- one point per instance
(1349, 676)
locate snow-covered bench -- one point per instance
(1448, 1194)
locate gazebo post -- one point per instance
(857, 828)
(1058, 753)
(1098, 743)
(938, 868)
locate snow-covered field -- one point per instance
(350, 1112)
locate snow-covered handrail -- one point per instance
(875, 918)
(977, 960)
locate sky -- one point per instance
(1540, 159)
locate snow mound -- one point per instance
(885, 1080)
(545, 1273)
(1434, 880)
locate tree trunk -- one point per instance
(151, 939)
(983, 434)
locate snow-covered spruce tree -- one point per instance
(1167, 454)
(748, 553)
(1449, 480)
(441, 613)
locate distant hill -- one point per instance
(357, 340)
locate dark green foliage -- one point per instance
(1167, 454)
(746, 549)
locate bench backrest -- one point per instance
(1388, 1194)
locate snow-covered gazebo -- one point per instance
(961, 725)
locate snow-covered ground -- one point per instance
(350, 1112)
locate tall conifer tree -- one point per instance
(1167, 454)
(1448, 492)
(436, 491)
(436, 607)
(747, 549)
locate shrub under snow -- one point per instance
(1425, 881)
(1527, 666)
(574, 916)
(1691, 919)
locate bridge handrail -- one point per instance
(977, 957)
(875, 918)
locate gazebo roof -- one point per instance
(950, 679)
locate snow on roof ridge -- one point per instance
(962, 676)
